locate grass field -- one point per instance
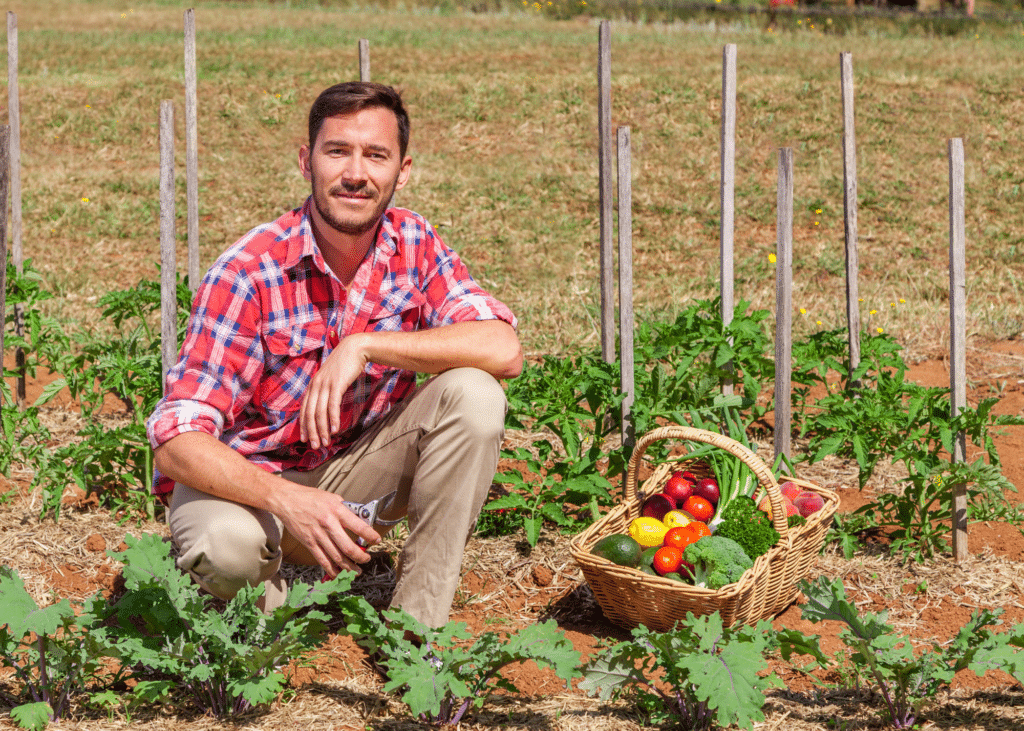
(504, 110)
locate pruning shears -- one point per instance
(370, 512)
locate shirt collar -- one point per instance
(304, 244)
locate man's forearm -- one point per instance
(490, 345)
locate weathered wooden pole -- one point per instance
(604, 135)
(14, 162)
(5, 175)
(784, 304)
(626, 374)
(957, 334)
(728, 191)
(191, 151)
(850, 210)
(364, 59)
(168, 278)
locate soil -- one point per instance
(506, 586)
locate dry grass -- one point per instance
(504, 139)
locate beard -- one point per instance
(353, 224)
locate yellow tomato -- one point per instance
(648, 532)
(676, 519)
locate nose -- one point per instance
(354, 171)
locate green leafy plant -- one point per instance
(51, 651)
(904, 676)
(440, 675)
(698, 675)
(227, 662)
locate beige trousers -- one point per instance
(439, 449)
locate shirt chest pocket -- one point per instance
(292, 357)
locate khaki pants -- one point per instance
(439, 449)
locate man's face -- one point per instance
(354, 168)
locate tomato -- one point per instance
(680, 537)
(701, 529)
(699, 507)
(667, 560)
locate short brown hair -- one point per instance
(354, 96)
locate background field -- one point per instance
(505, 148)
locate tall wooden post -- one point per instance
(784, 304)
(957, 334)
(168, 264)
(728, 190)
(191, 152)
(604, 134)
(364, 59)
(850, 210)
(14, 157)
(626, 374)
(5, 170)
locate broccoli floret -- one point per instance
(716, 561)
(747, 525)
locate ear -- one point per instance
(403, 174)
(304, 168)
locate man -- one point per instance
(296, 385)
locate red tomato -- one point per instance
(667, 560)
(700, 508)
(680, 537)
(701, 529)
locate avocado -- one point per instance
(619, 549)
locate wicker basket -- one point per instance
(630, 597)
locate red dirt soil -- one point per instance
(537, 589)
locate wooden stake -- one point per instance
(728, 190)
(168, 278)
(626, 373)
(14, 157)
(784, 304)
(5, 175)
(191, 151)
(850, 210)
(604, 134)
(957, 334)
(364, 59)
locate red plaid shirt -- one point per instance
(262, 323)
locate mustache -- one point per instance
(348, 188)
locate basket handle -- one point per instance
(764, 475)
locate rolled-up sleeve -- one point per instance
(221, 355)
(452, 294)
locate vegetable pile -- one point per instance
(706, 531)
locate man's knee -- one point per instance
(476, 399)
(229, 551)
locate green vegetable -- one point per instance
(745, 523)
(700, 675)
(444, 676)
(619, 549)
(716, 561)
(735, 479)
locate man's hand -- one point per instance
(490, 345)
(320, 412)
(317, 520)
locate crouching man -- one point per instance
(296, 389)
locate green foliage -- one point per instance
(123, 360)
(51, 651)
(440, 676)
(745, 523)
(696, 676)
(903, 675)
(226, 662)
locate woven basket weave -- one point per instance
(630, 597)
